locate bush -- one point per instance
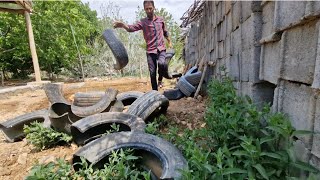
(122, 165)
(43, 138)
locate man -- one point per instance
(154, 32)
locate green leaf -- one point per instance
(234, 171)
(261, 170)
(241, 153)
(272, 155)
(301, 132)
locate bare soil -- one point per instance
(16, 159)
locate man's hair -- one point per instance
(146, 1)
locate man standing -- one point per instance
(154, 32)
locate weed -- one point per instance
(43, 138)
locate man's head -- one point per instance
(149, 8)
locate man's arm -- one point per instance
(169, 41)
(166, 35)
(129, 28)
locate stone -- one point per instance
(22, 159)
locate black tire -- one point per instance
(129, 97)
(169, 54)
(150, 103)
(85, 99)
(156, 153)
(54, 93)
(61, 117)
(194, 78)
(116, 106)
(192, 70)
(92, 127)
(117, 48)
(185, 87)
(173, 94)
(99, 107)
(13, 128)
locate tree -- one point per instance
(54, 41)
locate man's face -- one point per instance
(149, 9)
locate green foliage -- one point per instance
(43, 138)
(51, 23)
(154, 126)
(235, 145)
(122, 165)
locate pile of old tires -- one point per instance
(92, 114)
(186, 85)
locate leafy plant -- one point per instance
(43, 138)
(122, 165)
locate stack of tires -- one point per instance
(93, 114)
(186, 86)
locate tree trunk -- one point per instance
(2, 77)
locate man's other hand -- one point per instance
(170, 45)
(118, 24)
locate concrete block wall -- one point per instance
(271, 50)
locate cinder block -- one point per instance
(315, 162)
(228, 20)
(270, 62)
(236, 41)
(300, 48)
(228, 46)
(236, 15)
(316, 137)
(234, 66)
(260, 93)
(251, 31)
(288, 13)
(228, 5)
(267, 18)
(221, 49)
(250, 64)
(301, 152)
(298, 103)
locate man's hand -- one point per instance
(118, 24)
(170, 45)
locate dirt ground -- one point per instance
(16, 159)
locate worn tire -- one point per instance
(185, 87)
(173, 94)
(194, 78)
(129, 97)
(150, 103)
(164, 156)
(13, 128)
(61, 117)
(85, 99)
(54, 93)
(117, 48)
(116, 106)
(192, 70)
(99, 107)
(94, 126)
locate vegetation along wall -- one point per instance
(271, 52)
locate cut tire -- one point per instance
(192, 70)
(150, 103)
(129, 97)
(61, 117)
(166, 157)
(99, 107)
(85, 99)
(185, 87)
(173, 94)
(54, 93)
(194, 78)
(117, 48)
(94, 126)
(13, 128)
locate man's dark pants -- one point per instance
(153, 60)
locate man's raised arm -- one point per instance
(129, 28)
